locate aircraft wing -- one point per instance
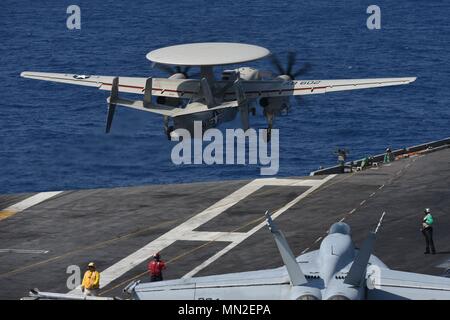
(177, 88)
(277, 88)
(187, 88)
(391, 284)
(263, 285)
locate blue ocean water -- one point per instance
(52, 136)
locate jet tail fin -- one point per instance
(357, 273)
(295, 272)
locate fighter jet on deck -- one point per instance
(337, 271)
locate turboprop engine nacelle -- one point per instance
(274, 105)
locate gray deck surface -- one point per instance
(106, 225)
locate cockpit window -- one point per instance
(340, 227)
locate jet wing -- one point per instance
(177, 88)
(251, 285)
(263, 284)
(277, 88)
(391, 284)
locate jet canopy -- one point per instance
(340, 227)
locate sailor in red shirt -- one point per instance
(155, 268)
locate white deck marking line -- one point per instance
(290, 182)
(342, 219)
(211, 236)
(381, 187)
(185, 231)
(256, 228)
(362, 202)
(23, 251)
(27, 203)
(305, 250)
(318, 239)
(353, 210)
(372, 194)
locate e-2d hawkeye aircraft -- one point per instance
(182, 100)
(337, 271)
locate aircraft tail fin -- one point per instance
(295, 272)
(357, 273)
(207, 93)
(148, 93)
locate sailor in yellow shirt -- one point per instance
(91, 281)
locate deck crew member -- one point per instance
(364, 163)
(91, 281)
(155, 267)
(388, 156)
(427, 231)
(342, 156)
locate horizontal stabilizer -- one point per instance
(196, 107)
(169, 110)
(139, 105)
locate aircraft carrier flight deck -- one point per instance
(218, 227)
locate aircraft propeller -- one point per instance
(288, 73)
(183, 70)
(290, 63)
(176, 72)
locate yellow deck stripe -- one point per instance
(6, 214)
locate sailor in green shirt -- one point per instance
(365, 163)
(388, 156)
(427, 231)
